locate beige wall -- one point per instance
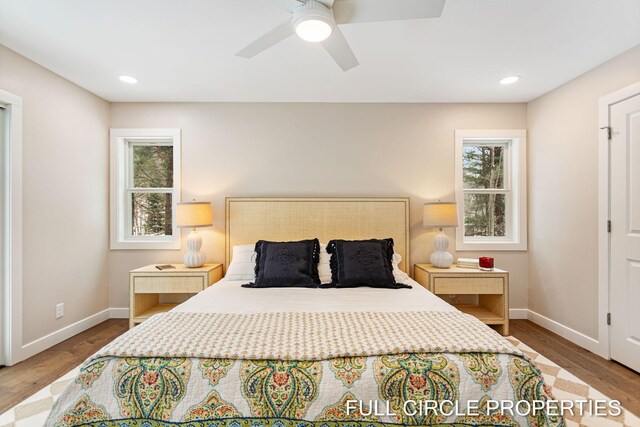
(65, 205)
(563, 196)
(315, 150)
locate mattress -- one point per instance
(231, 297)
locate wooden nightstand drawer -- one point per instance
(468, 285)
(174, 284)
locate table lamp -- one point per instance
(193, 215)
(440, 214)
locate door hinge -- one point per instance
(609, 226)
(608, 318)
(608, 128)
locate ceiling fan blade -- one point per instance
(339, 49)
(289, 5)
(328, 3)
(348, 11)
(271, 38)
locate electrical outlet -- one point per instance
(59, 310)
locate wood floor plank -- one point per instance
(26, 378)
(583, 358)
(609, 377)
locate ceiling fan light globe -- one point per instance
(313, 30)
(313, 21)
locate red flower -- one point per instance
(417, 381)
(281, 378)
(150, 377)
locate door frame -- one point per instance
(13, 232)
(604, 210)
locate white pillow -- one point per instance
(243, 263)
(399, 275)
(324, 266)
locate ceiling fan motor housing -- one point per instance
(314, 13)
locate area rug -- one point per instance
(33, 411)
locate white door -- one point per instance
(3, 242)
(624, 287)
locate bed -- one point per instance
(241, 357)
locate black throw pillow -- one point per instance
(362, 263)
(286, 264)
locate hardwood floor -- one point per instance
(22, 380)
(613, 379)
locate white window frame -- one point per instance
(121, 146)
(515, 189)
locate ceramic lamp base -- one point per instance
(441, 258)
(194, 257)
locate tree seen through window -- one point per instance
(151, 198)
(485, 198)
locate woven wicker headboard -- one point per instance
(249, 219)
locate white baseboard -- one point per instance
(518, 313)
(41, 344)
(119, 313)
(566, 332)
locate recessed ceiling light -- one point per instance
(128, 79)
(509, 79)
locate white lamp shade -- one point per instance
(194, 214)
(440, 214)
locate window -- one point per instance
(145, 187)
(491, 189)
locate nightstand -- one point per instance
(147, 283)
(490, 287)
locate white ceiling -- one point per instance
(184, 50)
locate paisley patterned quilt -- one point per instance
(305, 370)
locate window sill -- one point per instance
(490, 246)
(146, 245)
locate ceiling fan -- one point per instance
(319, 20)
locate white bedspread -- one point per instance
(230, 297)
